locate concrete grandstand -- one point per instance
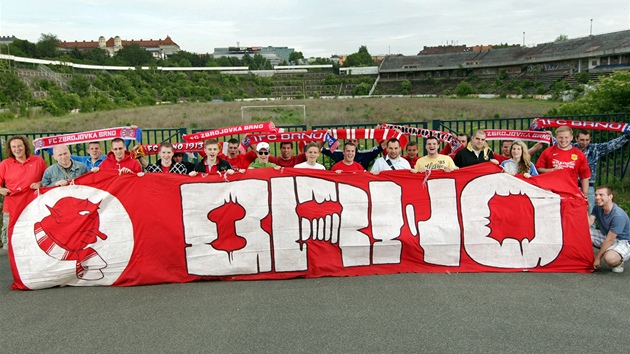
(547, 62)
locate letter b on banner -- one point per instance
(222, 225)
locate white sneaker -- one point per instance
(618, 269)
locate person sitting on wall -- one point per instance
(613, 236)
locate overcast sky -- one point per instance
(317, 28)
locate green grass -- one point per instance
(318, 112)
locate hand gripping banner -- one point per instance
(266, 224)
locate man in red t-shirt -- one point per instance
(237, 160)
(287, 159)
(348, 164)
(564, 155)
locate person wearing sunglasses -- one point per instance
(262, 161)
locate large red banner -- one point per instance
(127, 230)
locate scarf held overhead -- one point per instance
(240, 129)
(125, 133)
(525, 135)
(425, 133)
(542, 123)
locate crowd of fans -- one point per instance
(21, 169)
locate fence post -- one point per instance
(435, 124)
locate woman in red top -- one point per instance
(19, 171)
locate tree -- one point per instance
(562, 37)
(80, 85)
(133, 55)
(611, 95)
(47, 46)
(23, 48)
(294, 57)
(12, 89)
(360, 58)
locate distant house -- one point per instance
(160, 48)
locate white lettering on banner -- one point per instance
(354, 244)
(289, 253)
(541, 250)
(440, 235)
(304, 210)
(387, 222)
(198, 201)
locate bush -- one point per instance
(464, 89)
(405, 86)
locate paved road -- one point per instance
(441, 313)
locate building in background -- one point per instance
(275, 55)
(7, 40)
(160, 48)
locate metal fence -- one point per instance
(611, 167)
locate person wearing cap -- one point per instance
(212, 163)
(312, 154)
(263, 157)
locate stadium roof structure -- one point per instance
(609, 44)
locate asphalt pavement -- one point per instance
(403, 313)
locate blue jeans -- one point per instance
(591, 198)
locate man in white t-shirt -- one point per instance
(393, 160)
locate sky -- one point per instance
(317, 28)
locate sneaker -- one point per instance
(618, 269)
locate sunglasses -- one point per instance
(263, 152)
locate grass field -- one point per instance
(318, 111)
